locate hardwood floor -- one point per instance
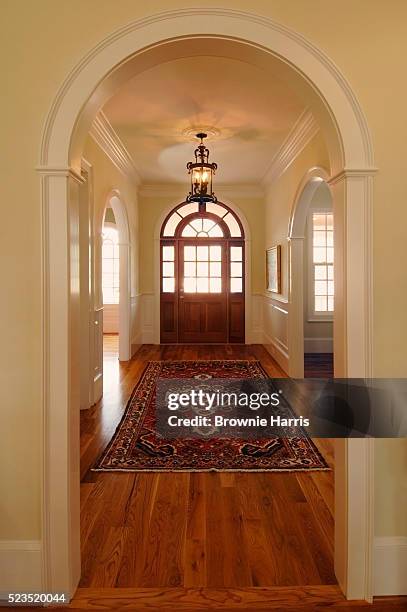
(192, 530)
(194, 541)
(318, 365)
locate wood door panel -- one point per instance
(236, 319)
(204, 305)
(214, 314)
(191, 314)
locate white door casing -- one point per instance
(351, 155)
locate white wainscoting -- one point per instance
(318, 345)
(110, 318)
(390, 566)
(142, 320)
(135, 317)
(255, 335)
(275, 329)
(20, 566)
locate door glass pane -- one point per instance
(168, 268)
(190, 285)
(189, 253)
(330, 287)
(216, 253)
(168, 285)
(215, 268)
(203, 253)
(236, 285)
(330, 254)
(330, 303)
(235, 269)
(168, 253)
(189, 268)
(202, 285)
(330, 238)
(202, 268)
(330, 272)
(215, 285)
(236, 253)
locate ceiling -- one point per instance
(252, 110)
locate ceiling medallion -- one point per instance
(211, 132)
(202, 173)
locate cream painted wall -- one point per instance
(153, 207)
(365, 39)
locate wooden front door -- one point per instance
(203, 312)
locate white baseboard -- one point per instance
(20, 566)
(318, 345)
(277, 351)
(390, 566)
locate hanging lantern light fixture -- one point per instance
(202, 173)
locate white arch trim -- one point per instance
(248, 280)
(60, 157)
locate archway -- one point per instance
(133, 48)
(115, 201)
(296, 234)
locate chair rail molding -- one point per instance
(91, 82)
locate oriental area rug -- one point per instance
(137, 445)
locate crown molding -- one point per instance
(180, 190)
(108, 140)
(301, 133)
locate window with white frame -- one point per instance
(322, 256)
(110, 265)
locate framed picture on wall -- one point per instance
(273, 269)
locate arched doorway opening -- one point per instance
(202, 280)
(114, 271)
(333, 102)
(311, 270)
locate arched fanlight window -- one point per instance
(202, 224)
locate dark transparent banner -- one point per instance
(263, 408)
